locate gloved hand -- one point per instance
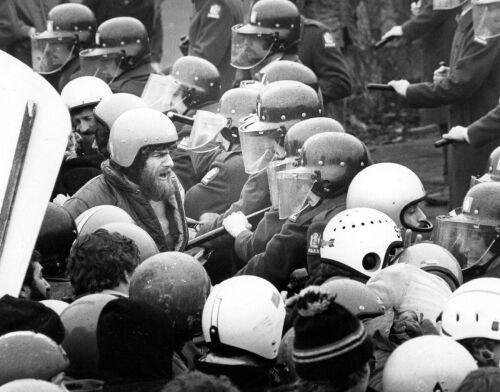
(400, 86)
(441, 73)
(457, 134)
(236, 223)
(184, 45)
(395, 31)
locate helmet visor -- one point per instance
(249, 50)
(293, 187)
(102, 65)
(260, 144)
(272, 177)
(206, 127)
(164, 93)
(469, 242)
(50, 53)
(446, 4)
(486, 19)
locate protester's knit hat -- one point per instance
(330, 341)
(18, 314)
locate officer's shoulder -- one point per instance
(315, 24)
(213, 8)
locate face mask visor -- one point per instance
(293, 189)
(165, 93)
(103, 64)
(51, 51)
(486, 19)
(447, 4)
(205, 131)
(272, 177)
(249, 48)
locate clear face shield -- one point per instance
(165, 93)
(205, 134)
(249, 49)
(446, 4)
(260, 146)
(50, 52)
(293, 188)
(101, 64)
(272, 177)
(471, 243)
(486, 19)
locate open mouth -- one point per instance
(164, 174)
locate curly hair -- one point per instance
(100, 261)
(195, 381)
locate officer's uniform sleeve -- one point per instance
(485, 129)
(466, 77)
(425, 21)
(321, 54)
(214, 35)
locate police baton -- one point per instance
(379, 87)
(180, 118)
(384, 41)
(221, 230)
(442, 142)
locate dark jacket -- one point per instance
(220, 186)
(471, 90)
(287, 250)
(147, 11)
(134, 80)
(318, 50)
(436, 30)
(113, 188)
(210, 34)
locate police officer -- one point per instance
(210, 34)
(222, 184)
(332, 160)
(70, 29)
(471, 86)
(122, 57)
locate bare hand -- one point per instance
(400, 86)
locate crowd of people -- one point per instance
(214, 226)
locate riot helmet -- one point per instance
(274, 26)
(289, 70)
(30, 385)
(393, 189)
(70, 28)
(85, 91)
(279, 106)
(492, 171)
(122, 43)
(486, 19)
(447, 4)
(193, 82)
(360, 241)
(472, 233)
(93, 218)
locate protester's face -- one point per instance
(85, 124)
(415, 217)
(156, 181)
(40, 288)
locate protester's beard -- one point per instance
(153, 186)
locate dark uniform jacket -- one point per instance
(472, 90)
(436, 30)
(220, 186)
(254, 197)
(134, 80)
(287, 250)
(249, 243)
(210, 34)
(147, 11)
(113, 188)
(318, 51)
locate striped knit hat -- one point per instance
(330, 342)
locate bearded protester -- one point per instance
(138, 178)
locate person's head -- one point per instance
(100, 261)
(427, 363)
(108, 110)
(274, 27)
(135, 342)
(448, 4)
(492, 169)
(195, 381)
(393, 189)
(35, 286)
(140, 142)
(471, 317)
(331, 346)
(178, 284)
(486, 379)
(70, 28)
(122, 44)
(357, 243)
(81, 95)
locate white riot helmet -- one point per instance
(447, 4)
(56, 305)
(138, 128)
(360, 240)
(427, 363)
(485, 19)
(84, 91)
(473, 311)
(434, 259)
(92, 219)
(245, 313)
(111, 107)
(390, 188)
